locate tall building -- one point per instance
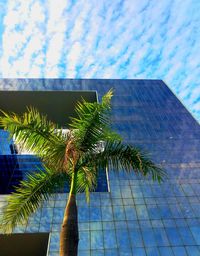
(128, 215)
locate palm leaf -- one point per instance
(36, 134)
(29, 196)
(124, 157)
(92, 122)
(86, 180)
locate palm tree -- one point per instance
(75, 157)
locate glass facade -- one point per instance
(14, 168)
(137, 217)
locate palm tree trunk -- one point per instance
(69, 232)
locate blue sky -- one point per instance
(104, 39)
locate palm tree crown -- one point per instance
(75, 157)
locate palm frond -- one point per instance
(121, 157)
(86, 180)
(35, 133)
(110, 135)
(28, 197)
(93, 119)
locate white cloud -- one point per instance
(23, 39)
(105, 39)
(73, 57)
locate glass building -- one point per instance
(127, 215)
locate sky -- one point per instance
(128, 39)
